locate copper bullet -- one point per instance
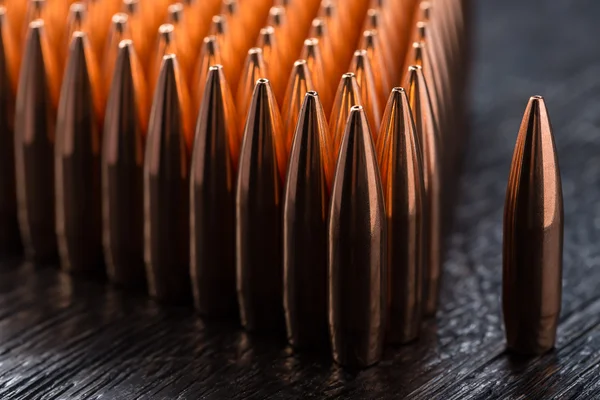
(122, 170)
(305, 210)
(34, 145)
(375, 22)
(401, 169)
(166, 191)
(210, 55)
(533, 237)
(320, 31)
(379, 65)
(357, 269)
(212, 199)
(77, 13)
(221, 31)
(429, 141)
(253, 70)
(273, 59)
(9, 225)
(348, 95)
(119, 31)
(258, 214)
(299, 84)
(314, 61)
(77, 163)
(165, 45)
(361, 67)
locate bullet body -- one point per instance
(212, 199)
(533, 237)
(166, 192)
(77, 166)
(357, 277)
(306, 202)
(122, 172)
(34, 149)
(259, 214)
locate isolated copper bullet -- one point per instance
(361, 67)
(259, 213)
(427, 131)
(299, 84)
(357, 277)
(210, 55)
(9, 225)
(305, 211)
(401, 169)
(533, 237)
(122, 170)
(253, 70)
(212, 199)
(348, 95)
(77, 163)
(34, 146)
(166, 191)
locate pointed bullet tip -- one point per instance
(166, 29)
(414, 68)
(536, 98)
(398, 90)
(36, 24)
(125, 43)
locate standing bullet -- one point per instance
(305, 204)
(361, 67)
(34, 145)
(404, 192)
(77, 163)
(210, 55)
(357, 279)
(429, 141)
(166, 190)
(299, 84)
(347, 96)
(258, 214)
(533, 237)
(122, 170)
(212, 199)
(254, 69)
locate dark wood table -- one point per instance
(66, 338)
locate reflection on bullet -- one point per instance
(533, 237)
(357, 279)
(401, 168)
(427, 132)
(77, 163)
(305, 204)
(299, 83)
(166, 191)
(361, 67)
(258, 214)
(348, 95)
(253, 70)
(122, 170)
(34, 146)
(9, 225)
(212, 199)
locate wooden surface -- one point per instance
(65, 338)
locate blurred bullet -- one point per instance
(299, 84)
(119, 31)
(210, 55)
(212, 199)
(9, 224)
(320, 31)
(348, 95)
(427, 132)
(361, 67)
(273, 58)
(122, 170)
(357, 243)
(253, 70)
(401, 169)
(305, 203)
(35, 122)
(533, 237)
(375, 22)
(77, 163)
(175, 13)
(229, 58)
(314, 61)
(77, 13)
(165, 45)
(378, 64)
(166, 191)
(258, 215)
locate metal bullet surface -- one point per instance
(429, 141)
(210, 55)
(259, 213)
(77, 13)
(254, 69)
(166, 191)
(401, 169)
(533, 237)
(35, 122)
(348, 95)
(77, 163)
(122, 165)
(212, 199)
(357, 244)
(314, 61)
(379, 65)
(361, 67)
(305, 211)
(119, 31)
(299, 84)
(9, 225)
